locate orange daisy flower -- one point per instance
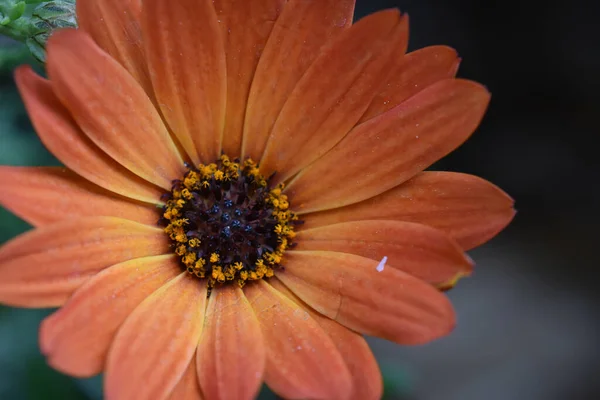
(243, 197)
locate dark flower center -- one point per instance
(226, 224)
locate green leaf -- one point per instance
(17, 11)
(37, 50)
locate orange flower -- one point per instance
(161, 252)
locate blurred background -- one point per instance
(528, 321)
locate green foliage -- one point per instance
(12, 56)
(32, 22)
(12, 12)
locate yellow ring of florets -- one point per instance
(199, 251)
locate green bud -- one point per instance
(33, 21)
(11, 11)
(15, 13)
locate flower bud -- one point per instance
(33, 21)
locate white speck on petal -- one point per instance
(381, 264)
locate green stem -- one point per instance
(19, 30)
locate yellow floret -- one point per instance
(189, 259)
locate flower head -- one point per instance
(243, 197)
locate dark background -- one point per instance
(528, 322)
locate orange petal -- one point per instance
(115, 26)
(392, 148)
(415, 72)
(76, 338)
(246, 26)
(350, 290)
(424, 252)
(45, 195)
(302, 361)
(334, 93)
(61, 135)
(303, 28)
(111, 107)
(186, 58)
(188, 387)
(367, 383)
(156, 343)
(469, 209)
(231, 354)
(42, 268)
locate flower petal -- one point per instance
(246, 26)
(302, 361)
(188, 387)
(186, 58)
(231, 354)
(61, 135)
(156, 343)
(45, 195)
(417, 70)
(320, 111)
(419, 250)
(350, 290)
(76, 338)
(367, 383)
(469, 209)
(115, 27)
(401, 143)
(42, 268)
(303, 28)
(111, 108)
